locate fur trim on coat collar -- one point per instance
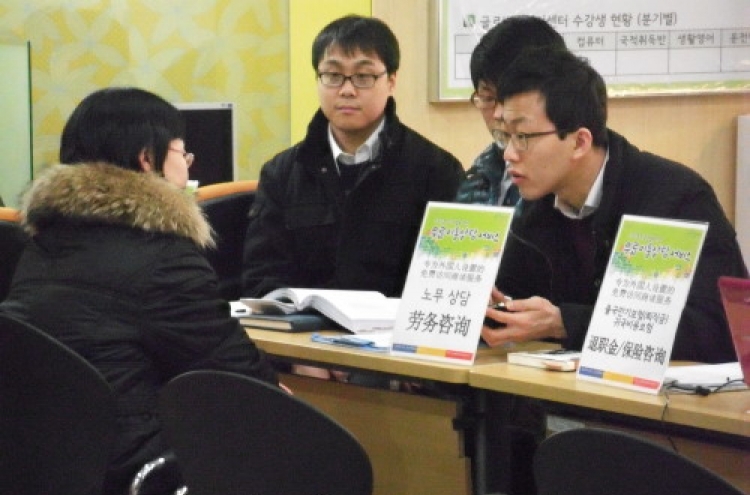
(100, 192)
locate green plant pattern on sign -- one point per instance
(450, 232)
(651, 250)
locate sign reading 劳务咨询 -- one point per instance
(450, 278)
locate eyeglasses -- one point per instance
(483, 102)
(521, 139)
(189, 157)
(337, 79)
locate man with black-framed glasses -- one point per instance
(577, 178)
(342, 208)
(513, 441)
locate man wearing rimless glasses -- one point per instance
(577, 178)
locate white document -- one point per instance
(709, 377)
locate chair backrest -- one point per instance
(12, 242)
(8, 214)
(226, 206)
(57, 416)
(595, 461)
(236, 435)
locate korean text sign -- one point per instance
(450, 278)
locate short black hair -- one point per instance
(366, 34)
(574, 93)
(115, 124)
(501, 45)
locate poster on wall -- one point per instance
(640, 47)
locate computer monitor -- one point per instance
(210, 135)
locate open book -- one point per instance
(357, 311)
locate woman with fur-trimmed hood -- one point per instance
(116, 269)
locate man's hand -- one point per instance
(535, 318)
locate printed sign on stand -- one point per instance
(450, 279)
(645, 288)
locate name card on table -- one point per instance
(645, 287)
(450, 279)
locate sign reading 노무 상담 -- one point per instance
(450, 278)
(644, 291)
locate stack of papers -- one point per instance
(704, 378)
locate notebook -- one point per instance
(293, 323)
(735, 295)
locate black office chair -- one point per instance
(235, 435)
(595, 461)
(57, 420)
(161, 476)
(57, 416)
(12, 242)
(226, 206)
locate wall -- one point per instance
(306, 19)
(222, 50)
(699, 131)
(256, 53)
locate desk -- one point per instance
(299, 348)
(726, 412)
(411, 439)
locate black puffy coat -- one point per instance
(116, 271)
